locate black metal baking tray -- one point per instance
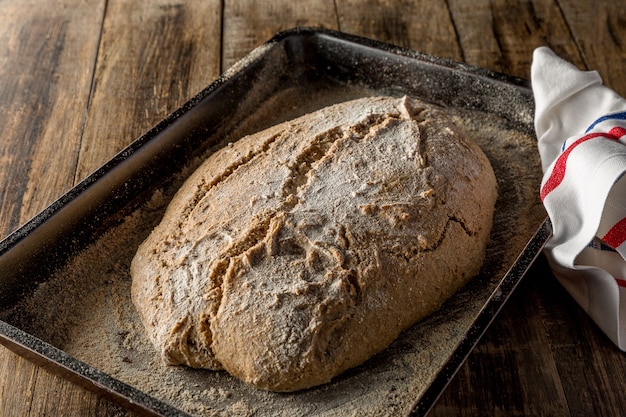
(295, 72)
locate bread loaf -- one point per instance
(302, 250)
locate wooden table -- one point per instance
(80, 79)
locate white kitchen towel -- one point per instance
(581, 129)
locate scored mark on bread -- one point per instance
(203, 186)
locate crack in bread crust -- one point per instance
(203, 187)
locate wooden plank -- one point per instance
(249, 23)
(47, 54)
(592, 368)
(28, 390)
(17, 379)
(153, 57)
(54, 396)
(501, 35)
(598, 28)
(423, 26)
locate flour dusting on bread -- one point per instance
(300, 251)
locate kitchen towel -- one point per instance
(581, 131)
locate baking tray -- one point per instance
(64, 279)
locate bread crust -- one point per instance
(302, 250)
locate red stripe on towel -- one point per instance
(616, 235)
(617, 132)
(558, 171)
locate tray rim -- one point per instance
(67, 366)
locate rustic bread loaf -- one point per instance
(302, 250)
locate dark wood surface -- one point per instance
(80, 79)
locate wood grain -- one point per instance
(584, 356)
(47, 62)
(249, 23)
(422, 26)
(17, 379)
(597, 28)
(153, 57)
(501, 35)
